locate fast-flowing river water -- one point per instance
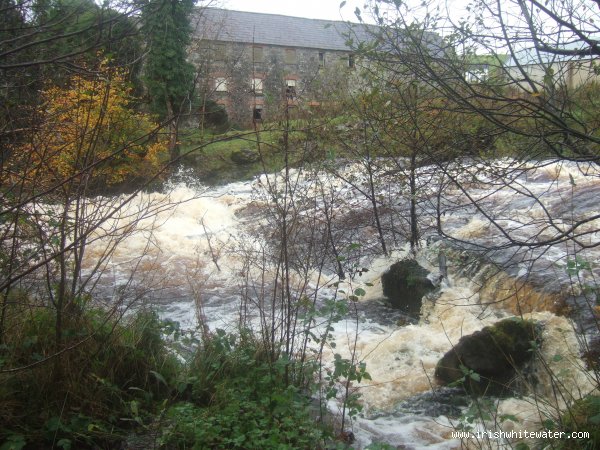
(526, 238)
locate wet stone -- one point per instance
(380, 312)
(405, 284)
(487, 362)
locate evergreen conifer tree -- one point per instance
(168, 75)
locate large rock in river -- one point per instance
(488, 361)
(404, 284)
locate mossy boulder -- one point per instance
(244, 156)
(488, 361)
(404, 284)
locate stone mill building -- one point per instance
(255, 64)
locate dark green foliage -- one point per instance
(11, 20)
(109, 381)
(44, 42)
(168, 76)
(244, 422)
(119, 377)
(215, 116)
(582, 416)
(238, 398)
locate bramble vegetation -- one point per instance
(122, 382)
(237, 397)
(113, 378)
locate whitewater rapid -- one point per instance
(193, 254)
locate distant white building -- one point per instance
(531, 67)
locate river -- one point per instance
(210, 254)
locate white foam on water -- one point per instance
(409, 431)
(203, 229)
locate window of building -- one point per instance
(257, 85)
(221, 84)
(351, 61)
(290, 56)
(321, 59)
(257, 113)
(219, 51)
(258, 54)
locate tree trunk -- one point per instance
(173, 131)
(414, 228)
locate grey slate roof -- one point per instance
(273, 29)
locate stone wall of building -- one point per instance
(258, 81)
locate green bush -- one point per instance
(216, 117)
(108, 380)
(119, 377)
(240, 399)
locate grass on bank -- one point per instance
(210, 155)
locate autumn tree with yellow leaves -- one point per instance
(88, 133)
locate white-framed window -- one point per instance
(477, 73)
(221, 84)
(257, 85)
